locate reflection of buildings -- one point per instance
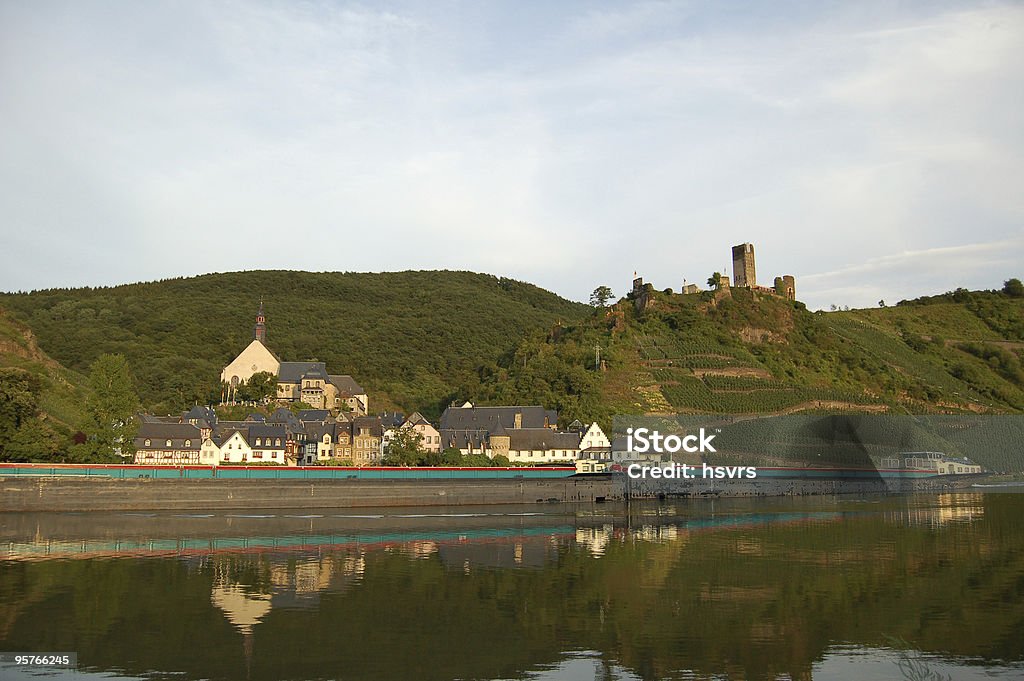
(949, 508)
(529, 552)
(243, 609)
(594, 539)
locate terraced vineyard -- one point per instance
(744, 395)
(743, 386)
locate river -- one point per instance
(871, 587)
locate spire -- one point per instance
(260, 331)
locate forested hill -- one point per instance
(740, 352)
(412, 339)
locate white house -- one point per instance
(226, 449)
(594, 438)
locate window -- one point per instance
(148, 443)
(259, 442)
(188, 443)
(168, 443)
(277, 442)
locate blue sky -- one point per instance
(873, 150)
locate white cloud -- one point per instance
(562, 147)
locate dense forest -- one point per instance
(414, 340)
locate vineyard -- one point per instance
(672, 361)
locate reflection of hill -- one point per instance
(737, 588)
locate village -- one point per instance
(334, 424)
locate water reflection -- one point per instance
(751, 588)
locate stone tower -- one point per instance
(743, 274)
(786, 286)
(259, 332)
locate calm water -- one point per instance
(822, 588)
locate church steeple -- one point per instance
(260, 331)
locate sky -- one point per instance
(874, 150)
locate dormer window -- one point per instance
(258, 442)
(188, 443)
(168, 443)
(149, 443)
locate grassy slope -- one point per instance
(62, 396)
(413, 339)
(753, 353)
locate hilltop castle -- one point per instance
(744, 275)
(306, 382)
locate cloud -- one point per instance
(564, 146)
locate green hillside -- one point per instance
(745, 352)
(413, 339)
(41, 402)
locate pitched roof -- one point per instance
(283, 415)
(294, 372)
(200, 413)
(221, 436)
(373, 423)
(416, 419)
(392, 419)
(465, 418)
(347, 385)
(313, 415)
(263, 431)
(464, 439)
(541, 439)
(159, 433)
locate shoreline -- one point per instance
(92, 493)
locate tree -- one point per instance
(261, 386)
(715, 280)
(405, 449)
(23, 436)
(1013, 288)
(111, 408)
(19, 402)
(451, 457)
(34, 441)
(601, 296)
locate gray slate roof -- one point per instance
(490, 418)
(200, 414)
(464, 439)
(159, 433)
(527, 439)
(347, 385)
(294, 372)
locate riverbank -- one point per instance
(44, 493)
(97, 493)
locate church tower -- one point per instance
(260, 331)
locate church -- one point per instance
(306, 382)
